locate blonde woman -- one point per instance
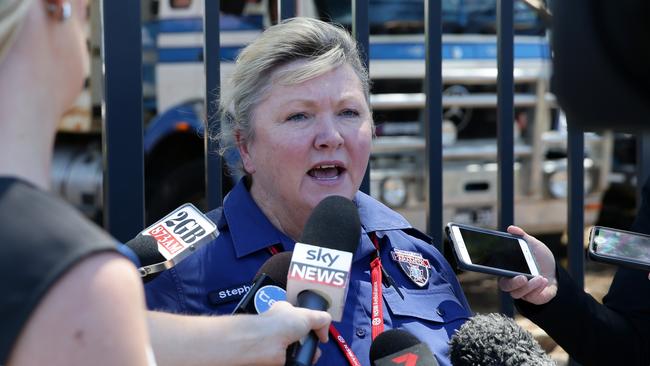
(62, 280)
(67, 297)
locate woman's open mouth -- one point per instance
(326, 171)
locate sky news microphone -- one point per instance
(398, 347)
(319, 273)
(268, 286)
(175, 237)
(495, 339)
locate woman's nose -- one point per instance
(328, 135)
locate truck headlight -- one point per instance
(393, 192)
(558, 183)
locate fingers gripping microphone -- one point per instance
(268, 286)
(175, 237)
(319, 272)
(399, 347)
(494, 339)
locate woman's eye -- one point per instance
(297, 117)
(349, 113)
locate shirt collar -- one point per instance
(374, 217)
(249, 228)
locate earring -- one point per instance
(63, 12)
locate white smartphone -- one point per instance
(489, 251)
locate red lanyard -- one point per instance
(377, 311)
(377, 299)
(343, 346)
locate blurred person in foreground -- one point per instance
(67, 296)
(598, 87)
(616, 332)
(297, 111)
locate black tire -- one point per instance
(183, 184)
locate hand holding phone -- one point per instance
(492, 252)
(540, 289)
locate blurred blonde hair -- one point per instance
(12, 14)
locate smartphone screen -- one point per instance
(494, 251)
(621, 244)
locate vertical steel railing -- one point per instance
(433, 119)
(642, 156)
(211, 62)
(122, 134)
(505, 115)
(287, 9)
(361, 32)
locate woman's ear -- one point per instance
(244, 151)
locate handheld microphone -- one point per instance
(399, 347)
(319, 272)
(175, 237)
(268, 286)
(494, 339)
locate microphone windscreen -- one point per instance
(277, 268)
(333, 224)
(495, 339)
(391, 342)
(146, 248)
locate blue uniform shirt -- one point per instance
(212, 280)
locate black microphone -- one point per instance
(319, 272)
(171, 239)
(145, 248)
(268, 286)
(399, 347)
(494, 339)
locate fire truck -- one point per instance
(174, 112)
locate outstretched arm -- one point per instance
(94, 315)
(233, 340)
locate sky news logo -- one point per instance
(322, 275)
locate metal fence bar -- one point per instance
(505, 115)
(576, 204)
(211, 62)
(433, 119)
(361, 32)
(287, 9)
(122, 128)
(642, 157)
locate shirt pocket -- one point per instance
(436, 304)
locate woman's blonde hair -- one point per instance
(12, 13)
(321, 45)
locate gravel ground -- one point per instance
(482, 294)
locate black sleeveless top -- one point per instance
(41, 237)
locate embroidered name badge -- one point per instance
(413, 265)
(227, 295)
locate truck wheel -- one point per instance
(183, 184)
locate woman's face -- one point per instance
(310, 140)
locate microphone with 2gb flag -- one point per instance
(398, 347)
(170, 240)
(319, 272)
(268, 286)
(494, 339)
